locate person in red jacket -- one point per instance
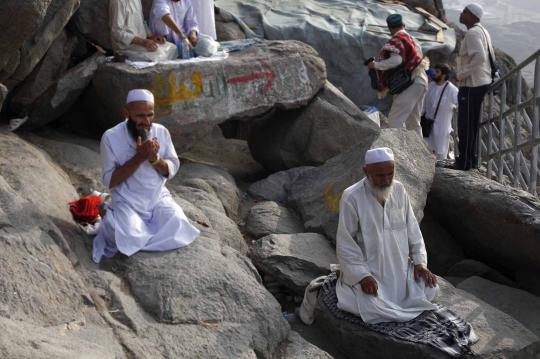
(402, 50)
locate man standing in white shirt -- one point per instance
(474, 72)
(137, 158)
(441, 100)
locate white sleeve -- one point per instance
(160, 8)
(120, 34)
(170, 156)
(108, 161)
(393, 61)
(417, 249)
(351, 258)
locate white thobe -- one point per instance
(143, 215)
(473, 65)
(182, 14)
(127, 22)
(386, 243)
(439, 138)
(204, 12)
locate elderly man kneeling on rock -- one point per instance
(137, 158)
(384, 275)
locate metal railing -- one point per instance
(509, 137)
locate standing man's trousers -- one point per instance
(470, 101)
(407, 106)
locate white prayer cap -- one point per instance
(378, 155)
(476, 10)
(139, 95)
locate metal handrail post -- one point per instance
(535, 128)
(501, 133)
(490, 133)
(517, 130)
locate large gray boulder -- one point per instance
(92, 21)
(298, 348)
(518, 303)
(19, 19)
(34, 49)
(276, 186)
(499, 334)
(205, 300)
(443, 250)
(498, 225)
(81, 163)
(344, 33)
(327, 127)
(293, 260)
(230, 154)
(192, 97)
(45, 75)
(64, 92)
(469, 267)
(33, 175)
(270, 218)
(316, 193)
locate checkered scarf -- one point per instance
(440, 328)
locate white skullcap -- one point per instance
(378, 155)
(476, 10)
(139, 95)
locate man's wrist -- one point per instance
(155, 161)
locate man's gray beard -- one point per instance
(381, 194)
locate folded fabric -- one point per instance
(85, 209)
(307, 309)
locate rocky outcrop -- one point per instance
(520, 304)
(193, 96)
(230, 154)
(316, 193)
(276, 186)
(469, 267)
(354, 30)
(293, 260)
(227, 28)
(3, 95)
(499, 334)
(299, 348)
(20, 19)
(327, 127)
(34, 49)
(270, 218)
(511, 243)
(443, 251)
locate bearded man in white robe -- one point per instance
(384, 275)
(137, 158)
(131, 38)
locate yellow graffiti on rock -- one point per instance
(168, 91)
(331, 199)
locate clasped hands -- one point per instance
(369, 284)
(147, 150)
(151, 43)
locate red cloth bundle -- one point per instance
(85, 209)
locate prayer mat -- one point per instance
(440, 328)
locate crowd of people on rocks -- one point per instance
(384, 275)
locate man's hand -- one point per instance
(150, 45)
(371, 65)
(369, 285)
(155, 150)
(187, 43)
(420, 271)
(145, 150)
(193, 38)
(159, 39)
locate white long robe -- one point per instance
(143, 215)
(127, 22)
(439, 137)
(204, 12)
(383, 242)
(182, 14)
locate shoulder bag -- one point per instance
(426, 122)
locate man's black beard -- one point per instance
(132, 129)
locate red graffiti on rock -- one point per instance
(268, 75)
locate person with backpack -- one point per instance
(403, 75)
(476, 70)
